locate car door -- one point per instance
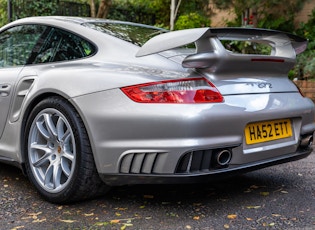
(7, 81)
(16, 47)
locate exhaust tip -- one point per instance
(306, 141)
(222, 158)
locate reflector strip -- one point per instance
(267, 60)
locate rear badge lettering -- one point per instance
(261, 85)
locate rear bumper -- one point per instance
(200, 177)
(164, 143)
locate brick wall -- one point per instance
(307, 88)
(219, 17)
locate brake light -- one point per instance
(193, 90)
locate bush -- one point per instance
(191, 20)
(305, 67)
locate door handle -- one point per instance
(5, 90)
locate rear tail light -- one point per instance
(193, 90)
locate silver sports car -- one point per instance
(87, 104)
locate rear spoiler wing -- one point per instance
(209, 49)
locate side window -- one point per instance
(61, 45)
(17, 43)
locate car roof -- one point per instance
(74, 20)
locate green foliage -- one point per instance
(3, 12)
(191, 20)
(277, 22)
(28, 8)
(143, 10)
(246, 47)
(305, 67)
(307, 30)
(131, 10)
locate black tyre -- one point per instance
(59, 159)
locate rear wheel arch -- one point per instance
(26, 115)
(83, 180)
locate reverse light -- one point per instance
(193, 90)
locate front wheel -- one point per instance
(59, 159)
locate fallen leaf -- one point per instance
(68, 221)
(226, 226)
(232, 216)
(264, 193)
(276, 215)
(126, 225)
(249, 219)
(67, 213)
(117, 214)
(253, 207)
(88, 214)
(148, 196)
(17, 227)
(196, 218)
(39, 221)
(34, 214)
(285, 192)
(101, 224)
(114, 221)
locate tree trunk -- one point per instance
(103, 8)
(173, 13)
(93, 10)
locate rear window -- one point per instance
(134, 33)
(59, 45)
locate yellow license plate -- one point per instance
(259, 132)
